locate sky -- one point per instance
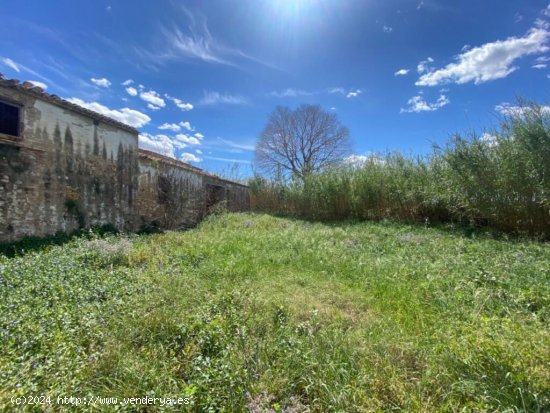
(199, 78)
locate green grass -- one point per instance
(251, 313)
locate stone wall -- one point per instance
(71, 168)
(66, 169)
(175, 195)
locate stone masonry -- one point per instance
(63, 167)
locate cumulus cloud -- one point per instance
(539, 66)
(161, 144)
(11, 64)
(186, 125)
(401, 72)
(127, 82)
(358, 161)
(125, 115)
(131, 91)
(490, 61)
(387, 29)
(152, 107)
(170, 126)
(489, 139)
(198, 151)
(188, 140)
(214, 98)
(424, 65)
(103, 82)
(39, 84)
(189, 157)
(199, 135)
(354, 93)
(418, 104)
(184, 106)
(153, 98)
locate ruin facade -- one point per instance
(63, 168)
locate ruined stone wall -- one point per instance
(70, 168)
(175, 195)
(64, 171)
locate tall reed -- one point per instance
(501, 180)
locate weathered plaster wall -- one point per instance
(65, 171)
(71, 168)
(175, 195)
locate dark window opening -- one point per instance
(9, 119)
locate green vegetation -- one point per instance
(501, 180)
(251, 313)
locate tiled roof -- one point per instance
(30, 89)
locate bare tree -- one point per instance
(300, 142)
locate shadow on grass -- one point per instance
(29, 244)
(459, 229)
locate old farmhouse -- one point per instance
(63, 167)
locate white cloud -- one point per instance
(39, 84)
(231, 160)
(236, 145)
(507, 109)
(161, 144)
(11, 64)
(183, 105)
(179, 103)
(290, 93)
(387, 29)
(152, 107)
(170, 126)
(127, 82)
(418, 104)
(131, 91)
(401, 72)
(335, 90)
(214, 98)
(424, 65)
(489, 139)
(539, 66)
(354, 93)
(542, 59)
(199, 135)
(190, 140)
(125, 115)
(198, 151)
(490, 61)
(358, 161)
(189, 157)
(546, 11)
(187, 125)
(103, 82)
(153, 98)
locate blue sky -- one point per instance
(199, 78)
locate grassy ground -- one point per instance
(255, 313)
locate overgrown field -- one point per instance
(255, 313)
(500, 179)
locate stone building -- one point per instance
(63, 167)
